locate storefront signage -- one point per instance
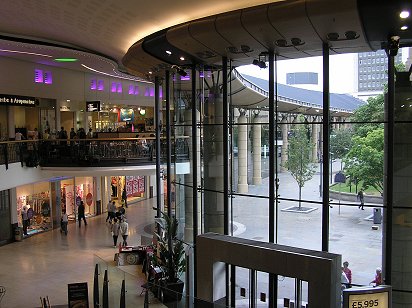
(78, 295)
(126, 115)
(93, 106)
(368, 297)
(16, 100)
(64, 108)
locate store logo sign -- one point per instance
(16, 100)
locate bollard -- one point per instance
(96, 300)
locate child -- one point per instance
(115, 231)
(64, 221)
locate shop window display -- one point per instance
(38, 211)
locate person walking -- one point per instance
(111, 211)
(124, 197)
(361, 198)
(124, 231)
(64, 221)
(115, 229)
(348, 273)
(378, 277)
(80, 214)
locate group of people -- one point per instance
(116, 217)
(346, 276)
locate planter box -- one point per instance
(172, 292)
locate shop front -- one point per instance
(131, 187)
(75, 190)
(34, 199)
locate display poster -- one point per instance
(126, 115)
(135, 186)
(89, 199)
(78, 295)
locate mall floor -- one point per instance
(42, 265)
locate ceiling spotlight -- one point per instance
(351, 35)
(150, 72)
(168, 52)
(404, 28)
(182, 58)
(281, 43)
(296, 41)
(333, 36)
(404, 14)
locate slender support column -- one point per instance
(257, 157)
(242, 153)
(272, 172)
(168, 148)
(389, 162)
(10, 122)
(284, 129)
(225, 123)
(195, 160)
(158, 132)
(326, 125)
(315, 140)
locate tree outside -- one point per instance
(365, 159)
(299, 156)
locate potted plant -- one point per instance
(170, 258)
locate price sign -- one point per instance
(368, 297)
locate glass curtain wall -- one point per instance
(355, 160)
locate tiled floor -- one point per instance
(43, 265)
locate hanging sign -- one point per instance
(16, 100)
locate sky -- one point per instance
(342, 71)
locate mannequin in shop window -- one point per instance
(114, 187)
(25, 219)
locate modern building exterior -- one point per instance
(188, 66)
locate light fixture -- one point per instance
(65, 59)
(349, 35)
(294, 41)
(404, 14)
(261, 62)
(179, 70)
(404, 28)
(150, 72)
(182, 58)
(142, 111)
(168, 52)
(67, 100)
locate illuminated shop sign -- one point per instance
(15, 100)
(126, 115)
(368, 297)
(93, 106)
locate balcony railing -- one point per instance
(89, 152)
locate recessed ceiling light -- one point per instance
(150, 72)
(404, 28)
(67, 100)
(182, 58)
(65, 59)
(404, 14)
(168, 52)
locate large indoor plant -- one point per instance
(170, 257)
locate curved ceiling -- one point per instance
(292, 29)
(115, 32)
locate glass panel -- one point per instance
(402, 192)
(250, 217)
(242, 289)
(262, 289)
(286, 291)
